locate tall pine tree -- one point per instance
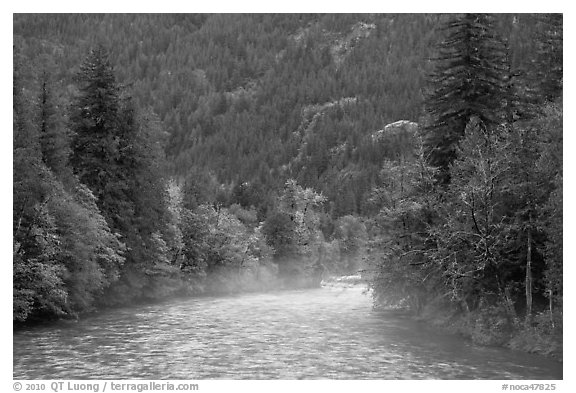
(468, 81)
(53, 135)
(95, 122)
(117, 153)
(548, 71)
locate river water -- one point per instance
(322, 333)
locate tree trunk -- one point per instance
(465, 306)
(529, 278)
(550, 306)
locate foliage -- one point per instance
(474, 234)
(222, 254)
(407, 204)
(486, 246)
(549, 166)
(293, 231)
(487, 242)
(541, 337)
(224, 153)
(91, 254)
(38, 289)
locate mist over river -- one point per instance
(326, 333)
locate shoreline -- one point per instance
(474, 327)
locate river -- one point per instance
(330, 333)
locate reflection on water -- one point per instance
(321, 333)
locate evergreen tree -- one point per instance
(38, 287)
(117, 153)
(64, 252)
(97, 137)
(31, 179)
(54, 141)
(547, 69)
(468, 81)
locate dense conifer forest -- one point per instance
(162, 155)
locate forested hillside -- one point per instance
(164, 154)
(259, 99)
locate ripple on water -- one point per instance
(324, 333)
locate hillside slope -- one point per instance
(260, 98)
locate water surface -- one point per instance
(320, 333)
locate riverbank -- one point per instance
(217, 285)
(490, 327)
